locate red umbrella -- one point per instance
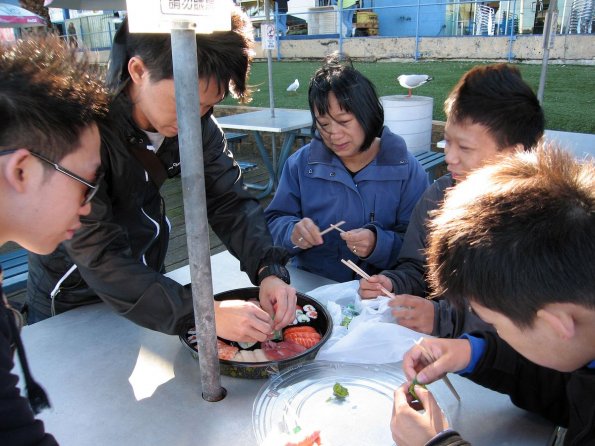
(13, 16)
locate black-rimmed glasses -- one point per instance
(92, 187)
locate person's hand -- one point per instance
(370, 289)
(413, 312)
(278, 299)
(306, 234)
(410, 427)
(360, 241)
(242, 321)
(450, 355)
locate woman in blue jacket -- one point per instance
(355, 170)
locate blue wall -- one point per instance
(400, 20)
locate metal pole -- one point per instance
(417, 31)
(185, 64)
(512, 37)
(276, 17)
(549, 31)
(340, 20)
(270, 63)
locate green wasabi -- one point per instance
(339, 392)
(412, 388)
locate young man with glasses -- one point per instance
(49, 106)
(92, 188)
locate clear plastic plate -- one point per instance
(303, 396)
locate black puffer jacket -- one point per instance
(119, 253)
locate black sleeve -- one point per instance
(408, 276)
(448, 438)
(234, 214)
(18, 425)
(452, 322)
(530, 386)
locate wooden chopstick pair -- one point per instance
(445, 378)
(365, 275)
(329, 229)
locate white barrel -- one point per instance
(410, 118)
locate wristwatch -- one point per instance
(274, 269)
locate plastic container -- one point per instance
(262, 370)
(410, 118)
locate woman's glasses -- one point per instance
(92, 187)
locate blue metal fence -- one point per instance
(397, 18)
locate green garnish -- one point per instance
(412, 388)
(340, 392)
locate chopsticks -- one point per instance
(445, 378)
(365, 275)
(329, 229)
(335, 226)
(425, 351)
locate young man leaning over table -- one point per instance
(118, 255)
(49, 161)
(516, 242)
(490, 112)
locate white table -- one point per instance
(112, 382)
(582, 145)
(287, 121)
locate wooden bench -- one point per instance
(430, 161)
(15, 270)
(233, 141)
(304, 135)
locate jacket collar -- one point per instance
(320, 154)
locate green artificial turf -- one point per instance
(569, 96)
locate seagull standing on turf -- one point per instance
(411, 81)
(294, 86)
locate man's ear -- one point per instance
(137, 69)
(559, 320)
(16, 170)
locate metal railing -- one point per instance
(418, 19)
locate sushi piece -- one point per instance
(304, 335)
(226, 351)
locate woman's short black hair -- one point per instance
(355, 93)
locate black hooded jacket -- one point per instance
(119, 252)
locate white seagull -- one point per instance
(411, 81)
(294, 86)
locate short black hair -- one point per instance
(496, 97)
(225, 55)
(355, 93)
(517, 235)
(49, 94)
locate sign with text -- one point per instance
(160, 16)
(267, 33)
